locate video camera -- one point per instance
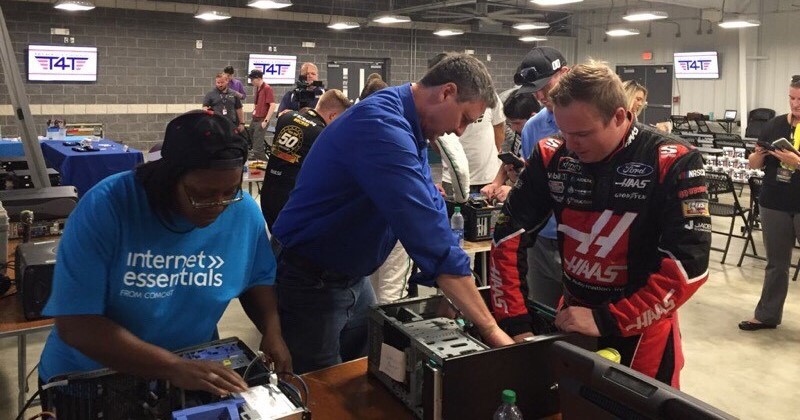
(301, 92)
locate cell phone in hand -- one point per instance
(783, 144)
(511, 159)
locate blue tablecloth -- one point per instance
(11, 148)
(85, 169)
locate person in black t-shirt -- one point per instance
(295, 133)
(780, 211)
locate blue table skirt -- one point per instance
(85, 169)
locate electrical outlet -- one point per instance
(72, 40)
(488, 57)
(198, 44)
(66, 40)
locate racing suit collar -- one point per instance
(627, 138)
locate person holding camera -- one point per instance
(780, 210)
(306, 93)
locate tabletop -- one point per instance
(346, 391)
(85, 169)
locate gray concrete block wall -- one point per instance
(150, 58)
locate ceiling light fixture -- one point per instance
(212, 15)
(739, 23)
(554, 2)
(74, 5)
(527, 26)
(622, 32)
(388, 19)
(644, 15)
(448, 32)
(269, 4)
(532, 39)
(343, 25)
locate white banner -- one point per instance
(49, 63)
(278, 69)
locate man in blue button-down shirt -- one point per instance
(365, 184)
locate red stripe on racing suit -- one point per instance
(634, 235)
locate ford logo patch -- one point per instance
(635, 169)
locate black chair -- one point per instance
(719, 186)
(754, 223)
(701, 121)
(756, 120)
(728, 140)
(680, 124)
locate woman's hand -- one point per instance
(205, 375)
(787, 157)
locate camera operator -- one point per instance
(306, 93)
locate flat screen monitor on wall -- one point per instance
(697, 65)
(278, 69)
(58, 63)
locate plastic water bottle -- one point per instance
(457, 224)
(508, 410)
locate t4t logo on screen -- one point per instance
(273, 69)
(62, 63)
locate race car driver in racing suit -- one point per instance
(633, 226)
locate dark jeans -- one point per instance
(323, 324)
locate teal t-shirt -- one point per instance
(167, 286)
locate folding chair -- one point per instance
(719, 185)
(680, 124)
(700, 120)
(753, 223)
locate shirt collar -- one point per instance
(410, 114)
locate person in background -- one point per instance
(222, 101)
(295, 133)
(262, 113)
(633, 222)
(236, 86)
(308, 73)
(780, 210)
(366, 183)
(374, 83)
(637, 96)
(151, 258)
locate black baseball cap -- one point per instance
(536, 69)
(203, 140)
(255, 74)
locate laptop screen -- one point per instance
(730, 114)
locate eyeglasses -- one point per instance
(237, 196)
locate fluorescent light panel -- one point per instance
(622, 32)
(270, 4)
(212, 15)
(527, 26)
(739, 23)
(554, 2)
(343, 25)
(532, 38)
(389, 19)
(74, 5)
(644, 15)
(448, 32)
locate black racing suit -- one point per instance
(634, 234)
(294, 134)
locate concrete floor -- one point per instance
(751, 375)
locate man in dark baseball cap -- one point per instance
(538, 72)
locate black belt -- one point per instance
(283, 254)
